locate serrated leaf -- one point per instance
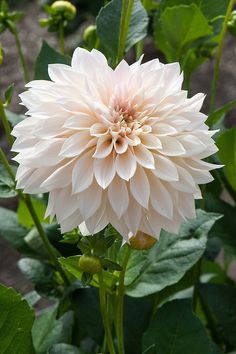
(108, 25)
(8, 94)
(191, 24)
(176, 330)
(226, 143)
(7, 187)
(16, 320)
(219, 113)
(14, 118)
(169, 259)
(48, 56)
(220, 300)
(24, 215)
(12, 231)
(41, 275)
(107, 263)
(47, 330)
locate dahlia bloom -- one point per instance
(121, 146)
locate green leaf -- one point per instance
(169, 259)
(224, 229)
(47, 330)
(12, 231)
(13, 117)
(220, 300)
(176, 330)
(88, 314)
(139, 309)
(48, 56)
(8, 94)
(7, 187)
(107, 263)
(24, 216)
(41, 275)
(64, 349)
(191, 23)
(219, 113)
(16, 320)
(108, 25)
(226, 143)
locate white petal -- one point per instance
(139, 187)
(104, 170)
(185, 182)
(133, 216)
(160, 198)
(126, 164)
(151, 141)
(118, 196)
(171, 146)
(89, 200)
(83, 171)
(104, 147)
(165, 169)
(120, 144)
(76, 144)
(144, 157)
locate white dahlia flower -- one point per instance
(121, 146)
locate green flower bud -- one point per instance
(90, 264)
(142, 241)
(90, 36)
(64, 8)
(45, 22)
(231, 24)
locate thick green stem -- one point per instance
(120, 302)
(218, 57)
(126, 11)
(139, 49)
(30, 207)
(61, 38)
(6, 124)
(21, 55)
(104, 313)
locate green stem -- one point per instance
(218, 57)
(120, 302)
(104, 313)
(21, 55)
(30, 207)
(126, 11)
(6, 124)
(139, 49)
(61, 38)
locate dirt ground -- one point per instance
(31, 36)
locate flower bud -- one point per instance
(45, 22)
(90, 34)
(90, 264)
(231, 24)
(64, 8)
(142, 241)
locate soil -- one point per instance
(31, 36)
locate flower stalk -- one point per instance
(120, 302)
(126, 11)
(6, 124)
(21, 55)
(104, 312)
(61, 38)
(218, 57)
